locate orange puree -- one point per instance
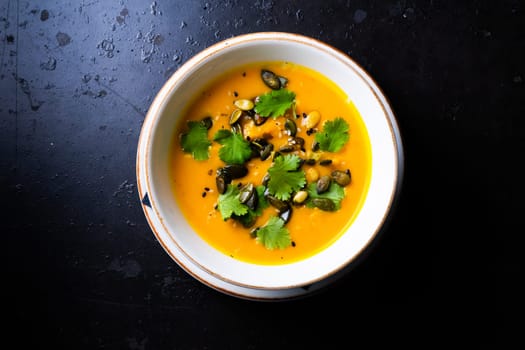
(311, 229)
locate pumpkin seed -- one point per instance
(300, 197)
(233, 171)
(270, 79)
(325, 204)
(235, 116)
(222, 181)
(236, 128)
(290, 126)
(260, 142)
(257, 145)
(286, 149)
(246, 192)
(267, 151)
(312, 119)
(227, 173)
(244, 104)
(278, 204)
(323, 184)
(253, 200)
(342, 178)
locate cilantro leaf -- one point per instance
(221, 134)
(285, 176)
(335, 193)
(275, 103)
(229, 203)
(235, 149)
(195, 141)
(274, 235)
(333, 136)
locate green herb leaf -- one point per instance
(235, 149)
(274, 235)
(274, 103)
(285, 176)
(335, 193)
(262, 203)
(195, 141)
(221, 134)
(333, 136)
(229, 203)
(249, 218)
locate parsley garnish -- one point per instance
(235, 149)
(274, 235)
(333, 136)
(335, 193)
(274, 103)
(285, 176)
(195, 141)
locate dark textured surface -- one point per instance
(84, 270)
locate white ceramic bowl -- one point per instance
(166, 220)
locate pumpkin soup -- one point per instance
(271, 163)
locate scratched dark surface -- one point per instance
(84, 270)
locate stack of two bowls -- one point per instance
(184, 229)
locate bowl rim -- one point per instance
(143, 178)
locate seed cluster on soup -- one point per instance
(271, 163)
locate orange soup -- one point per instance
(271, 163)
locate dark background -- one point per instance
(83, 269)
